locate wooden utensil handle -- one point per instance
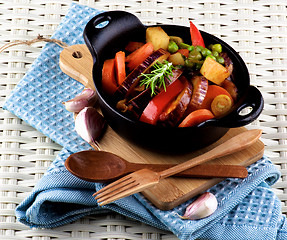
(215, 171)
(200, 171)
(235, 144)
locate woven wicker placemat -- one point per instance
(256, 29)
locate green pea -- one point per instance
(210, 46)
(214, 58)
(205, 52)
(195, 55)
(199, 48)
(217, 47)
(189, 63)
(190, 48)
(215, 54)
(208, 52)
(220, 60)
(172, 47)
(186, 46)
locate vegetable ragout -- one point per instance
(166, 81)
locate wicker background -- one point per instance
(257, 29)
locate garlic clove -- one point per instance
(85, 99)
(76, 106)
(90, 125)
(202, 207)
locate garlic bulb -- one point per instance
(202, 207)
(89, 124)
(85, 99)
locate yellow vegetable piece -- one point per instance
(176, 59)
(214, 71)
(220, 105)
(158, 37)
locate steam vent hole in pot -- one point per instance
(245, 111)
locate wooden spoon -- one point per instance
(100, 166)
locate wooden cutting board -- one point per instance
(172, 191)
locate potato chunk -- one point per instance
(158, 37)
(214, 71)
(176, 59)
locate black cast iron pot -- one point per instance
(109, 32)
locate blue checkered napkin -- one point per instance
(248, 209)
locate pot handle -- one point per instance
(108, 32)
(253, 99)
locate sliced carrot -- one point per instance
(132, 46)
(220, 105)
(183, 51)
(212, 92)
(141, 49)
(120, 67)
(196, 117)
(138, 56)
(109, 83)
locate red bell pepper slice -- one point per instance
(195, 35)
(155, 107)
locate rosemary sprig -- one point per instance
(156, 78)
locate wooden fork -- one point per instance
(142, 179)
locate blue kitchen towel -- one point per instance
(248, 208)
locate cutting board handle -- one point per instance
(76, 61)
